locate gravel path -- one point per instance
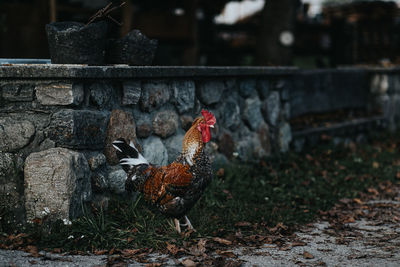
(372, 239)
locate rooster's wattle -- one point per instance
(174, 188)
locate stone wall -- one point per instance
(57, 122)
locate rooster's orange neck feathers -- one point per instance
(192, 143)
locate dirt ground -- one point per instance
(356, 232)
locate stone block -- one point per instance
(155, 151)
(284, 137)
(165, 123)
(247, 87)
(154, 95)
(263, 88)
(121, 125)
(252, 113)
(16, 91)
(57, 183)
(285, 88)
(15, 134)
(264, 138)
(174, 146)
(184, 94)
(11, 188)
(230, 113)
(131, 91)
(210, 92)
(59, 94)
(78, 129)
(99, 182)
(97, 160)
(226, 145)
(100, 94)
(186, 122)
(116, 181)
(286, 111)
(271, 108)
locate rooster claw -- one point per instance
(187, 223)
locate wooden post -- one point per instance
(189, 57)
(53, 10)
(127, 16)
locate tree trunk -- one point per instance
(276, 17)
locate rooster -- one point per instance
(175, 188)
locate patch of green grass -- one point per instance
(290, 189)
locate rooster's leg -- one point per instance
(177, 225)
(188, 224)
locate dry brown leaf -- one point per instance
(373, 191)
(130, 252)
(188, 263)
(307, 255)
(153, 264)
(298, 244)
(100, 252)
(349, 220)
(398, 175)
(56, 250)
(222, 241)
(173, 249)
(358, 201)
(33, 250)
(375, 165)
(243, 224)
(226, 253)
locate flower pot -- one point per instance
(75, 43)
(133, 49)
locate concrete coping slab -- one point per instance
(124, 71)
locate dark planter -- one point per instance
(133, 49)
(75, 43)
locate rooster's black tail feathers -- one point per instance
(128, 155)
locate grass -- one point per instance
(290, 189)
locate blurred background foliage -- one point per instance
(303, 33)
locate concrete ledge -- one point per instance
(40, 71)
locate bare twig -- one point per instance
(105, 13)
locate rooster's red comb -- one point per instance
(208, 117)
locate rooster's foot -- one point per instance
(188, 224)
(177, 226)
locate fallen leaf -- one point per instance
(375, 165)
(33, 250)
(130, 252)
(373, 191)
(398, 175)
(56, 250)
(242, 224)
(153, 264)
(358, 201)
(100, 252)
(307, 255)
(298, 244)
(226, 253)
(286, 247)
(349, 220)
(188, 263)
(198, 249)
(222, 241)
(173, 249)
